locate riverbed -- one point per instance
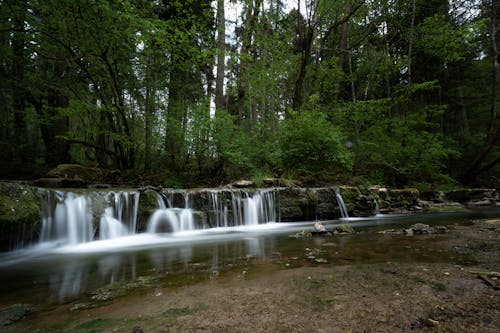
(260, 279)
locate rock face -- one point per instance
(20, 214)
(73, 176)
(474, 197)
(20, 207)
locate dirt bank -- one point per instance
(295, 294)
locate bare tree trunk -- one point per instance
(252, 14)
(479, 164)
(148, 115)
(410, 54)
(307, 41)
(221, 49)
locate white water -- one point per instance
(171, 220)
(377, 208)
(342, 206)
(109, 227)
(68, 221)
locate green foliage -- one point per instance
(129, 85)
(394, 150)
(310, 144)
(173, 182)
(440, 38)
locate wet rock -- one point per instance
(59, 183)
(71, 175)
(433, 196)
(137, 329)
(416, 229)
(472, 195)
(319, 227)
(81, 306)
(242, 184)
(20, 214)
(14, 313)
(421, 229)
(301, 234)
(276, 182)
(344, 229)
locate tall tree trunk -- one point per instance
(410, 54)
(148, 114)
(252, 14)
(305, 59)
(18, 88)
(480, 164)
(221, 49)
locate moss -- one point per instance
(18, 204)
(349, 193)
(98, 325)
(344, 228)
(20, 214)
(76, 171)
(14, 313)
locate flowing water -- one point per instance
(75, 257)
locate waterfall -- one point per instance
(111, 227)
(342, 206)
(72, 218)
(243, 209)
(66, 218)
(123, 208)
(171, 220)
(377, 207)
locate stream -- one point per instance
(54, 273)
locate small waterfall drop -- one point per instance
(67, 219)
(243, 208)
(342, 206)
(71, 218)
(111, 227)
(377, 207)
(171, 220)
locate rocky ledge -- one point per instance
(20, 208)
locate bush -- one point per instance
(309, 144)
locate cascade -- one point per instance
(66, 218)
(111, 227)
(244, 208)
(71, 218)
(377, 207)
(342, 206)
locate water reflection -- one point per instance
(71, 278)
(60, 277)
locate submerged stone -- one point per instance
(14, 313)
(344, 229)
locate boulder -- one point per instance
(242, 184)
(466, 196)
(71, 175)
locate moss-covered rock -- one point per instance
(14, 313)
(71, 175)
(76, 171)
(20, 214)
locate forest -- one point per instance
(191, 93)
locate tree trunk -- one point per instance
(148, 115)
(221, 50)
(252, 14)
(305, 59)
(480, 164)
